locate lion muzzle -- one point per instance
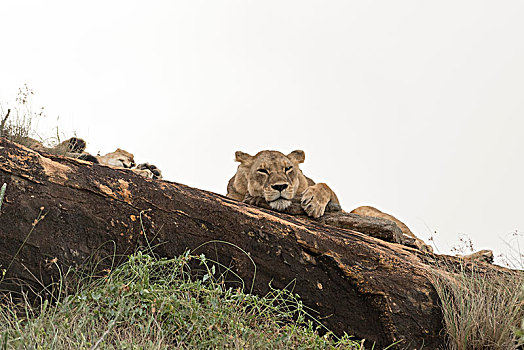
(279, 196)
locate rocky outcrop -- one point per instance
(358, 284)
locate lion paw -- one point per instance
(156, 173)
(256, 201)
(314, 200)
(143, 172)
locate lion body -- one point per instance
(409, 236)
(75, 148)
(123, 159)
(480, 256)
(485, 255)
(276, 178)
(119, 158)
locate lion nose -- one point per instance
(279, 188)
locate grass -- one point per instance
(149, 302)
(2, 193)
(17, 123)
(482, 308)
(155, 304)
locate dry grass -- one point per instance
(18, 123)
(481, 308)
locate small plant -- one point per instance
(2, 193)
(17, 124)
(465, 245)
(17, 121)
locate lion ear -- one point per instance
(297, 156)
(242, 157)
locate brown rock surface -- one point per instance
(361, 285)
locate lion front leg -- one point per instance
(315, 199)
(256, 201)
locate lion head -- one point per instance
(119, 158)
(271, 175)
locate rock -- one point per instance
(88, 212)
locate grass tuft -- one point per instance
(2, 193)
(18, 123)
(481, 309)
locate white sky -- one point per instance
(414, 107)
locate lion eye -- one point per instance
(263, 171)
(288, 168)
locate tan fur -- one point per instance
(72, 145)
(119, 158)
(155, 172)
(143, 172)
(484, 255)
(36, 145)
(75, 148)
(277, 179)
(123, 159)
(374, 212)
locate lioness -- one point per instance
(276, 178)
(74, 145)
(119, 158)
(75, 148)
(123, 159)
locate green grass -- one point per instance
(150, 303)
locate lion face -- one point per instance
(272, 175)
(119, 158)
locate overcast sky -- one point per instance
(414, 107)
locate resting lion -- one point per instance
(75, 148)
(273, 180)
(276, 179)
(123, 159)
(119, 158)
